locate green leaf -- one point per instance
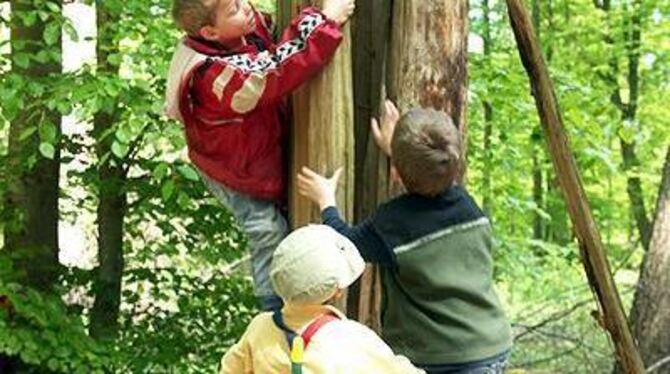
(160, 171)
(47, 132)
(29, 18)
(21, 60)
(114, 59)
(42, 57)
(122, 135)
(188, 172)
(43, 15)
(25, 134)
(167, 190)
(53, 7)
(183, 200)
(64, 107)
(71, 31)
(52, 33)
(119, 149)
(47, 150)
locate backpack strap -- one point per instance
(314, 327)
(298, 343)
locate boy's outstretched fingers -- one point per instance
(392, 113)
(316, 187)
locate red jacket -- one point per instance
(230, 102)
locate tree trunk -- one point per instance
(535, 138)
(371, 30)
(111, 194)
(323, 128)
(628, 110)
(428, 58)
(628, 113)
(593, 254)
(425, 68)
(32, 179)
(650, 317)
(487, 200)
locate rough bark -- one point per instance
(592, 251)
(112, 201)
(428, 58)
(323, 127)
(32, 193)
(322, 135)
(649, 316)
(370, 34)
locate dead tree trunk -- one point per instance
(650, 316)
(371, 30)
(593, 255)
(426, 67)
(428, 58)
(323, 127)
(322, 135)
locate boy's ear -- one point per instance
(208, 33)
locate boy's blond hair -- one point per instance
(193, 15)
(426, 151)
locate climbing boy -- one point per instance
(227, 84)
(440, 308)
(311, 268)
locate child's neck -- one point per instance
(234, 44)
(228, 45)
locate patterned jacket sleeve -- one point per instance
(240, 83)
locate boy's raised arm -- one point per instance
(241, 83)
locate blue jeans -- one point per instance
(492, 365)
(264, 226)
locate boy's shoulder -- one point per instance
(454, 199)
(411, 216)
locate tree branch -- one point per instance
(658, 364)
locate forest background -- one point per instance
(85, 147)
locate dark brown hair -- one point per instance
(426, 151)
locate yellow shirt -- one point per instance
(342, 346)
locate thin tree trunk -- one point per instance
(631, 164)
(535, 138)
(32, 179)
(112, 201)
(593, 254)
(650, 316)
(629, 111)
(371, 30)
(558, 229)
(487, 200)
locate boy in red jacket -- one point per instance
(227, 83)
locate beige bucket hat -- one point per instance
(312, 263)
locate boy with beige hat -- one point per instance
(310, 269)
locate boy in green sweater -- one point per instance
(433, 243)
